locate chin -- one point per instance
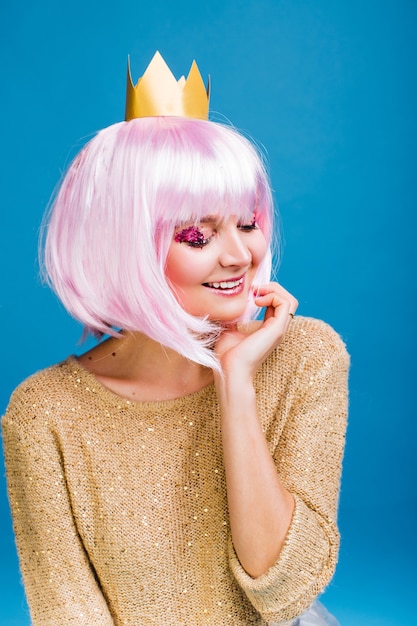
(227, 320)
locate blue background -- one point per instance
(329, 88)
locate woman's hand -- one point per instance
(243, 349)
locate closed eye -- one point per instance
(248, 226)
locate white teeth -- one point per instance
(226, 284)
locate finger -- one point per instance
(271, 287)
(278, 291)
(277, 305)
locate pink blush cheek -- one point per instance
(186, 267)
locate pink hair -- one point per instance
(113, 218)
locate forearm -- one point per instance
(260, 507)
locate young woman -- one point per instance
(185, 470)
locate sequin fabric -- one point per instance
(120, 509)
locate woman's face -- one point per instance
(211, 266)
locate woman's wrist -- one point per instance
(233, 381)
(236, 395)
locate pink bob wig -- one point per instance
(112, 222)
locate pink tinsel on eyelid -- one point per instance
(190, 235)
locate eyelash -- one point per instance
(194, 238)
(248, 227)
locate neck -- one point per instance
(140, 368)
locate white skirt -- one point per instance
(317, 615)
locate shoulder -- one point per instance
(39, 391)
(307, 336)
(309, 346)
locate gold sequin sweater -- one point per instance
(120, 508)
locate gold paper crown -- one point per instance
(157, 92)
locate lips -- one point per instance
(225, 284)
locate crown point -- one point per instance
(158, 93)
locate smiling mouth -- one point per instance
(225, 284)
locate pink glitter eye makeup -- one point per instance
(191, 236)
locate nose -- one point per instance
(235, 251)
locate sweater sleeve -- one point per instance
(59, 581)
(308, 458)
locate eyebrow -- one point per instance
(209, 218)
(206, 219)
(215, 218)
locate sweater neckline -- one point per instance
(94, 385)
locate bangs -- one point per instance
(191, 170)
(219, 184)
